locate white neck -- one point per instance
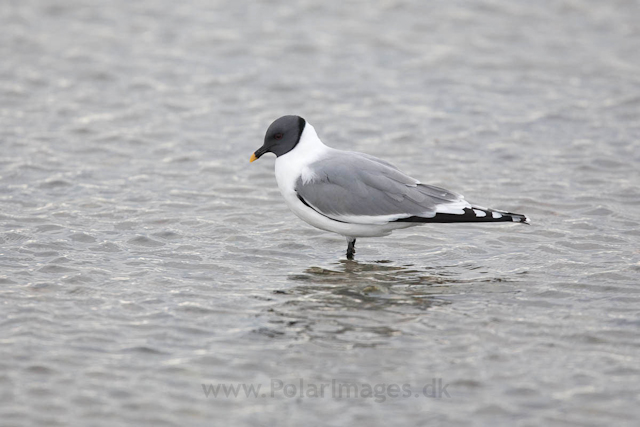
(309, 143)
(295, 163)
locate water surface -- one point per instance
(142, 257)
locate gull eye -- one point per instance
(278, 135)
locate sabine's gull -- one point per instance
(355, 194)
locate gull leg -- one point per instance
(351, 248)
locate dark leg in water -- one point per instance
(351, 248)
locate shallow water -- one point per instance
(143, 259)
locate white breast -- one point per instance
(290, 166)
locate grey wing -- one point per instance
(355, 188)
(374, 159)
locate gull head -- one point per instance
(281, 137)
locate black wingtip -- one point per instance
(473, 214)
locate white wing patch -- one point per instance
(455, 208)
(479, 213)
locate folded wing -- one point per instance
(356, 188)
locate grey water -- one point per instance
(144, 263)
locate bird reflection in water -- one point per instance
(353, 304)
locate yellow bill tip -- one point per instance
(253, 157)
